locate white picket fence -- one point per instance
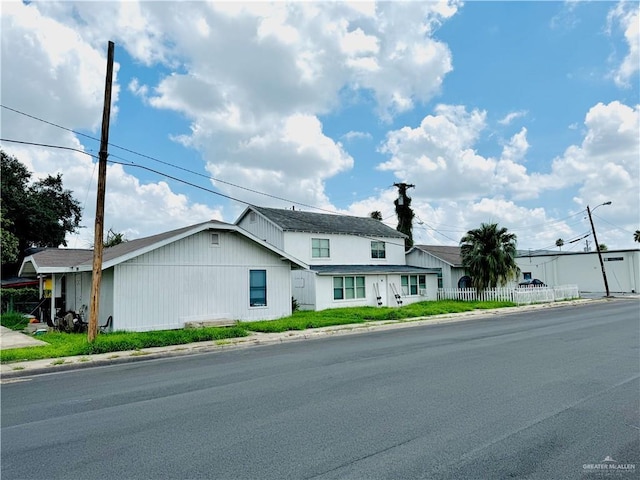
(520, 296)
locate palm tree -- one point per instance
(636, 236)
(376, 215)
(489, 256)
(559, 243)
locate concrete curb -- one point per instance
(15, 370)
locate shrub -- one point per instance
(14, 321)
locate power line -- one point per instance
(155, 160)
(157, 172)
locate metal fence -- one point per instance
(520, 296)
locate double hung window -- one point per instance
(378, 249)
(320, 248)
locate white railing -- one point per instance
(520, 296)
(470, 294)
(566, 292)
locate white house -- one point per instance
(353, 261)
(446, 259)
(622, 268)
(205, 272)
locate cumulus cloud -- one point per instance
(52, 71)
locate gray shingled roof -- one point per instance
(450, 255)
(62, 257)
(300, 221)
(65, 258)
(370, 269)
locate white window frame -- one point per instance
(414, 284)
(352, 287)
(318, 246)
(378, 250)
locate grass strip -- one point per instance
(72, 344)
(302, 320)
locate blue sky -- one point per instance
(520, 113)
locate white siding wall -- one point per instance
(324, 289)
(450, 275)
(79, 293)
(344, 249)
(584, 270)
(190, 280)
(303, 284)
(262, 228)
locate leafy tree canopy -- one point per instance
(38, 214)
(489, 256)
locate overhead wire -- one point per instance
(157, 172)
(126, 162)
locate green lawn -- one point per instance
(70, 344)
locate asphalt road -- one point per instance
(535, 395)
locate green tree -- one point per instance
(603, 247)
(636, 236)
(376, 215)
(404, 213)
(39, 214)
(488, 255)
(8, 241)
(559, 243)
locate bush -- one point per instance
(14, 321)
(9, 297)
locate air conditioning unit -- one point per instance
(423, 292)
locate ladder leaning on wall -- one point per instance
(396, 294)
(376, 290)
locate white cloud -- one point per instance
(353, 135)
(50, 70)
(627, 17)
(510, 117)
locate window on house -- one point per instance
(440, 282)
(257, 288)
(526, 275)
(347, 288)
(215, 239)
(378, 249)
(320, 247)
(412, 284)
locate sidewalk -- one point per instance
(19, 369)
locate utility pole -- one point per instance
(595, 239)
(404, 213)
(94, 307)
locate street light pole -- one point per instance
(595, 239)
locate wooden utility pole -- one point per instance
(595, 239)
(94, 308)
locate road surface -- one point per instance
(546, 394)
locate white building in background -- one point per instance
(353, 261)
(622, 268)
